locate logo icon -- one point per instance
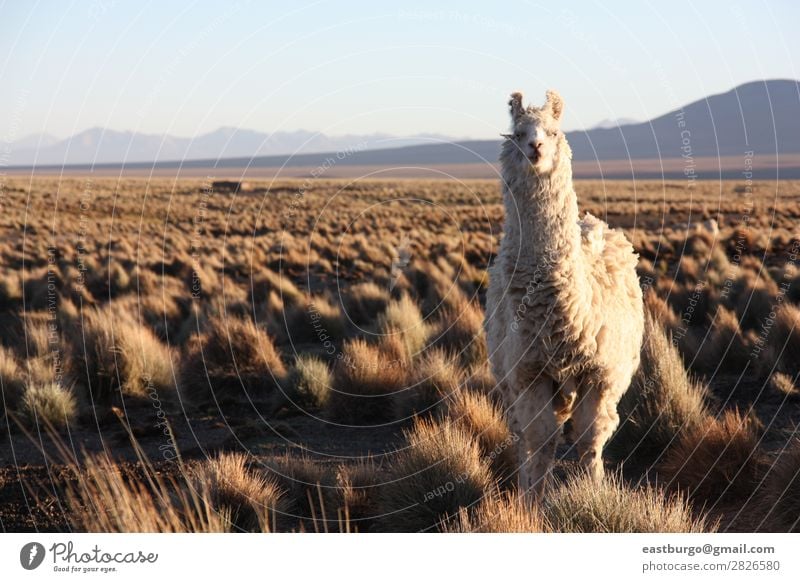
(31, 555)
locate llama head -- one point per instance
(537, 143)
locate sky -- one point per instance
(187, 68)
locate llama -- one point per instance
(564, 313)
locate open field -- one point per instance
(308, 355)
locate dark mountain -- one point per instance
(763, 117)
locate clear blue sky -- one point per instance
(360, 67)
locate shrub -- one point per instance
(499, 513)
(234, 360)
(49, 403)
(661, 402)
(582, 506)
(104, 497)
(310, 382)
(717, 462)
(115, 357)
(778, 502)
(364, 302)
(403, 319)
(438, 473)
(461, 332)
(249, 500)
(365, 382)
(479, 416)
(436, 377)
(12, 380)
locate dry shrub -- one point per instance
(582, 506)
(116, 357)
(12, 380)
(364, 302)
(50, 404)
(725, 348)
(438, 473)
(461, 332)
(234, 360)
(250, 501)
(403, 319)
(436, 377)
(783, 384)
(506, 512)
(10, 289)
(719, 462)
(778, 502)
(661, 402)
(357, 486)
(266, 281)
(365, 382)
(782, 341)
(754, 301)
(316, 320)
(314, 496)
(310, 382)
(104, 497)
(479, 416)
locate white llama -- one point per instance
(564, 314)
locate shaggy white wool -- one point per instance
(564, 313)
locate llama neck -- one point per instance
(541, 224)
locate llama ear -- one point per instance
(515, 105)
(554, 104)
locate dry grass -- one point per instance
(581, 506)
(479, 416)
(719, 462)
(499, 513)
(778, 503)
(403, 319)
(250, 501)
(436, 378)
(115, 357)
(105, 497)
(440, 472)
(133, 297)
(233, 360)
(12, 380)
(365, 383)
(661, 403)
(310, 382)
(49, 404)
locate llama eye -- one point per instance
(552, 133)
(518, 135)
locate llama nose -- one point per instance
(535, 145)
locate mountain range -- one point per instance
(104, 146)
(755, 125)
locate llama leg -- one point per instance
(594, 420)
(538, 430)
